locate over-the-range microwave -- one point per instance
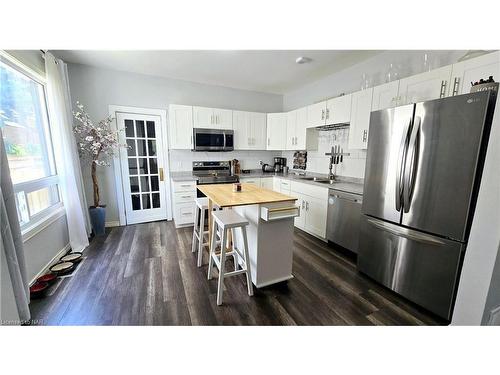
(213, 139)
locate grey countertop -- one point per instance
(347, 184)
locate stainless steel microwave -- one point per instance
(213, 139)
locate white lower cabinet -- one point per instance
(266, 183)
(183, 196)
(313, 203)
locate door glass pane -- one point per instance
(152, 148)
(141, 147)
(143, 166)
(155, 186)
(145, 184)
(156, 200)
(146, 201)
(134, 184)
(136, 202)
(131, 147)
(129, 128)
(132, 166)
(153, 166)
(151, 129)
(139, 127)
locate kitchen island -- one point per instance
(270, 230)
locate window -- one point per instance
(26, 134)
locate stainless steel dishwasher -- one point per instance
(344, 213)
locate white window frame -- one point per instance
(42, 219)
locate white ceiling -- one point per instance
(272, 71)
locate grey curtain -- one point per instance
(12, 243)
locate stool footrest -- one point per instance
(234, 273)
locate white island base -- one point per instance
(270, 244)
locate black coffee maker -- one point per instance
(279, 164)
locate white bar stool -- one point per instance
(199, 231)
(229, 220)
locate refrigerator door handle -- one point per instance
(406, 233)
(403, 148)
(411, 164)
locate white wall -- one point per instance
(484, 240)
(97, 88)
(493, 299)
(347, 81)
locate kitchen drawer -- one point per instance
(310, 190)
(184, 197)
(178, 186)
(249, 180)
(184, 213)
(285, 187)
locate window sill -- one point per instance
(32, 230)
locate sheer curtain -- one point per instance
(11, 241)
(66, 153)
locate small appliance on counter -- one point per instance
(267, 168)
(279, 163)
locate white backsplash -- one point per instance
(181, 160)
(352, 165)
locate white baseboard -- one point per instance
(52, 261)
(111, 224)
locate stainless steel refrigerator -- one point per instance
(422, 174)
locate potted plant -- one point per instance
(96, 145)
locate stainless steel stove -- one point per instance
(213, 172)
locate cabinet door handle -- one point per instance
(322, 114)
(365, 133)
(327, 113)
(268, 141)
(443, 89)
(307, 206)
(303, 204)
(191, 141)
(211, 119)
(456, 83)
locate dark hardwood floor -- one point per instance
(146, 275)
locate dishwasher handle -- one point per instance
(354, 198)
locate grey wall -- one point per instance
(97, 88)
(349, 80)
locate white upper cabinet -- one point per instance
(212, 118)
(316, 114)
(203, 117)
(425, 86)
(249, 130)
(360, 119)
(338, 110)
(258, 131)
(291, 129)
(301, 130)
(473, 70)
(223, 118)
(276, 131)
(181, 126)
(241, 127)
(385, 96)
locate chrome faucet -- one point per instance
(336, 156)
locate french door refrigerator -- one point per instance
(422, 174)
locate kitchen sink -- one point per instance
(316, 179)
(329, 182)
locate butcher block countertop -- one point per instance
(222, 195)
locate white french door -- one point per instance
(143, 171)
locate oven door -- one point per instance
(208, 139)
